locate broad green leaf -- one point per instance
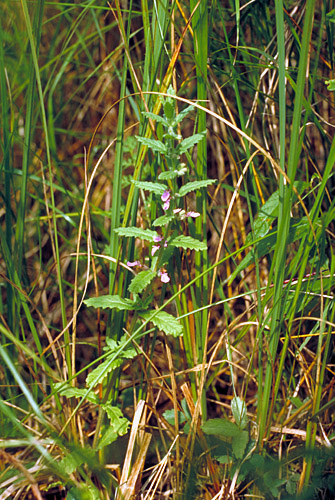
(76, 458)
(169, 109)
(153, 187)
(239, 444)
(157, 118)
(165, 322)
(74, 392)
(141, 281)
(163, 220)
(239, 409)
(121, 349)
(182, 115)
(189, 142)
(111, 302)
(187, 242)
(193, 186)
(118, 422)
(87, 492)
(153, 144)
(330, 83)
(221, 427)
(171, 174)
(136, 232)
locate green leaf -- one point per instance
(182, 115)
(330, 83)
(170, 174)
(164, 322)
(136, 232)
(239, 409)
(239, 444)
(193, 186)
(153, 144)
(163, 220)
(157, 118)
(169, 110)
(330, 16)
(221, 427)
(74, 392)
(187, 242)
(141, 281)
(190, 142)
(111, 302)
(153, 187)
(123, 351)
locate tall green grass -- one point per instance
(241, 404)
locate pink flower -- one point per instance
(166, 197)
(157, 239)
(154, 249)
(133, 264)
(165, 278)
(166, 206)
(192, 214)
(177, 210)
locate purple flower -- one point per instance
(177, 210)
(192, 214)
(133, 264)
(166, 206)
(157, 238)
(166, 196)
(154, 249)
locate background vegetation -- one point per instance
(213, 376)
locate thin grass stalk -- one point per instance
(28, 131)
(285, 191)
(53, 205)
(6, 168)
(200, 43)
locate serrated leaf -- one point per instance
(153, 144)
(165, 322)
(111, 302)
(239, 444)
(191, 141)
(161, 221)
(74, 392)
(141, 281)
(169, 109)
(118, 422)
(193, 186)
(170, 174)
(118, 351)
(157, 118)
(239, 409)
(136, 232)
(187, 242)
(153, 187)
(182, 115)
(221, 427)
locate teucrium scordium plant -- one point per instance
(166, 233)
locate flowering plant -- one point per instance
(163, 242)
